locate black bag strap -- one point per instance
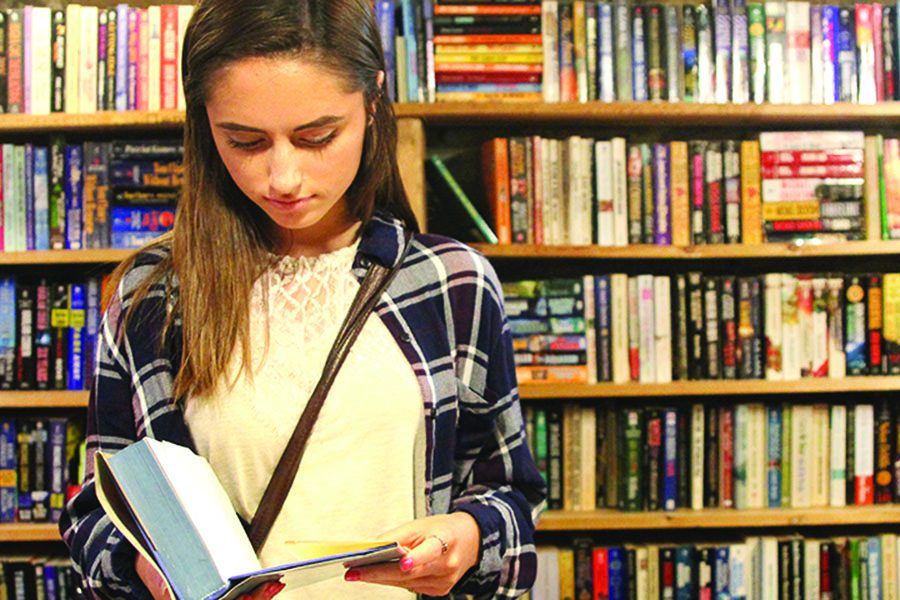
(376, 280)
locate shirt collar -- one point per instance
(381, 241)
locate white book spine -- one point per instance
(864, 457)
(586, 198)
(550, 39)
(620, 191)
(790, 336)
(590, 331)
(775, 54)
(546, 581)
(753, 566)
(805, 325)
(838, 456)
(574, 213)
(799, 70)
(184, 17)
(773, 327)
(662, 325)
(87, 75)
(741, 450)
(769, 587)
(603, 183)
(820, 473)
(641, 554)
(619, 308)
(73, 62)
(811, 575)
(40, 60)
(776, 141)
(819, 336)
(816, 56)
(556, 216)
(737, 570)
(155, 53)
(647, 330)
(698, 441)
(9, 237)
(801, 446)
(889, 566)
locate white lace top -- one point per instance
(363, 469)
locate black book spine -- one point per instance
(3, 65)
(711, 458)
(680, 354)
(653, 455)
(25, 321)
(683, 451)
(555, 457)
(728, 319)
(58, 61)
(711, 293)
(695, 327)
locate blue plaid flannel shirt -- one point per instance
(445, 309)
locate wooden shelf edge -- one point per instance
(29, 532)
(712, 251)
(44, 399)
(715, 387)
(719, 518)
(63, 122)
(65, 257)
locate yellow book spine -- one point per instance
(680, 196)
(751, 223)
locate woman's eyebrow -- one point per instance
(320, 122)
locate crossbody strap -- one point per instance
(376, 280)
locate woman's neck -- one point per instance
(335, 231)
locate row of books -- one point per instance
(117, 194)
(659, 328)
(48, 333)
(720, 51)
(83, 59)
(38, 578)
(741, 456)
(41, 465)
(755, 568)
(783, 186)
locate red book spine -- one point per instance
(486, 9)
(168, 71)
(497, 77)
(601, 574)
(812, 157)
(487, 68)
(537, 191)
(826, 170)
(487, 38)
(15, 91)
(726, 457)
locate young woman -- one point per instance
(216, 334)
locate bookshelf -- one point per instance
(415, 123)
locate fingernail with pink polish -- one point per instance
(406, 564)
(351, 575)
(273, 588)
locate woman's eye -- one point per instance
(321, 140)
(244, 145)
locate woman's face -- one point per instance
(291, 137)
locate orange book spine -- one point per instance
(495, 170)
(751, 218)
(680, 198)
(486, 9)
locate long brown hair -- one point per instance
(220, 239)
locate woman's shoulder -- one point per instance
(143, 265)
(452, 254)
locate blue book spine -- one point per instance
(606, 80)
(75, 368)
(722, 33)
(874, 569)
(638, 55)
(74, 197)
(29, 197)
(847, 73)
(57, 460)
(670, 460)
(428, 28)
(132, 227)
(121, 102)
(831, 79)
(720, 584)
(618, 574)
(9, 498)
(384, 16)
(774, 453)
(7, 333)
(41, 199)
(491, 87)
(662, 219)
(132, 57)
(91, 325)
(19, 198)
(740, 47)
(51, 586)
(603, 302)
(412, 47)
(685, 583)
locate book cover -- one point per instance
(168, 503)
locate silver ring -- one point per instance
(444, 546)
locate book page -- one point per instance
(208, 507)
(116, 508)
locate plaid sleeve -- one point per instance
(496, 480)
(128, 400)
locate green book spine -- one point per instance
(882, 189)
(463, 199)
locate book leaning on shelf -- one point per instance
(167, 502)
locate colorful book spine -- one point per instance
(75, 368)
(73, 197)
(9, 501)
(662, 220)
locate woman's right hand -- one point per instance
(160, 591)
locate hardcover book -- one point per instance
(168, 503)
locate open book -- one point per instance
(167, 502)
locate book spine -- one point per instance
(25, 329)
(864, 459)
(673, 53)
(15, 50)
(169, 51)
(662, 227)
(9, 500)
(756, 17)
(638, 55)
(680, 194)
(58, 480)
(606, 63)
(731, 170)
(798, 51)
(73, 197)
(133, 53)
(623, 50)
(657, 87)
(75, 367)
(740, 52)
(689, 53)
(723, 51)
(28, 195)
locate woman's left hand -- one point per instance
(440, 549)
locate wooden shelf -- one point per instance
(712, 251)
(64, 257)
(29, 532)
(44, 399)
(715, 387)
(657, 114)
(719, 518)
